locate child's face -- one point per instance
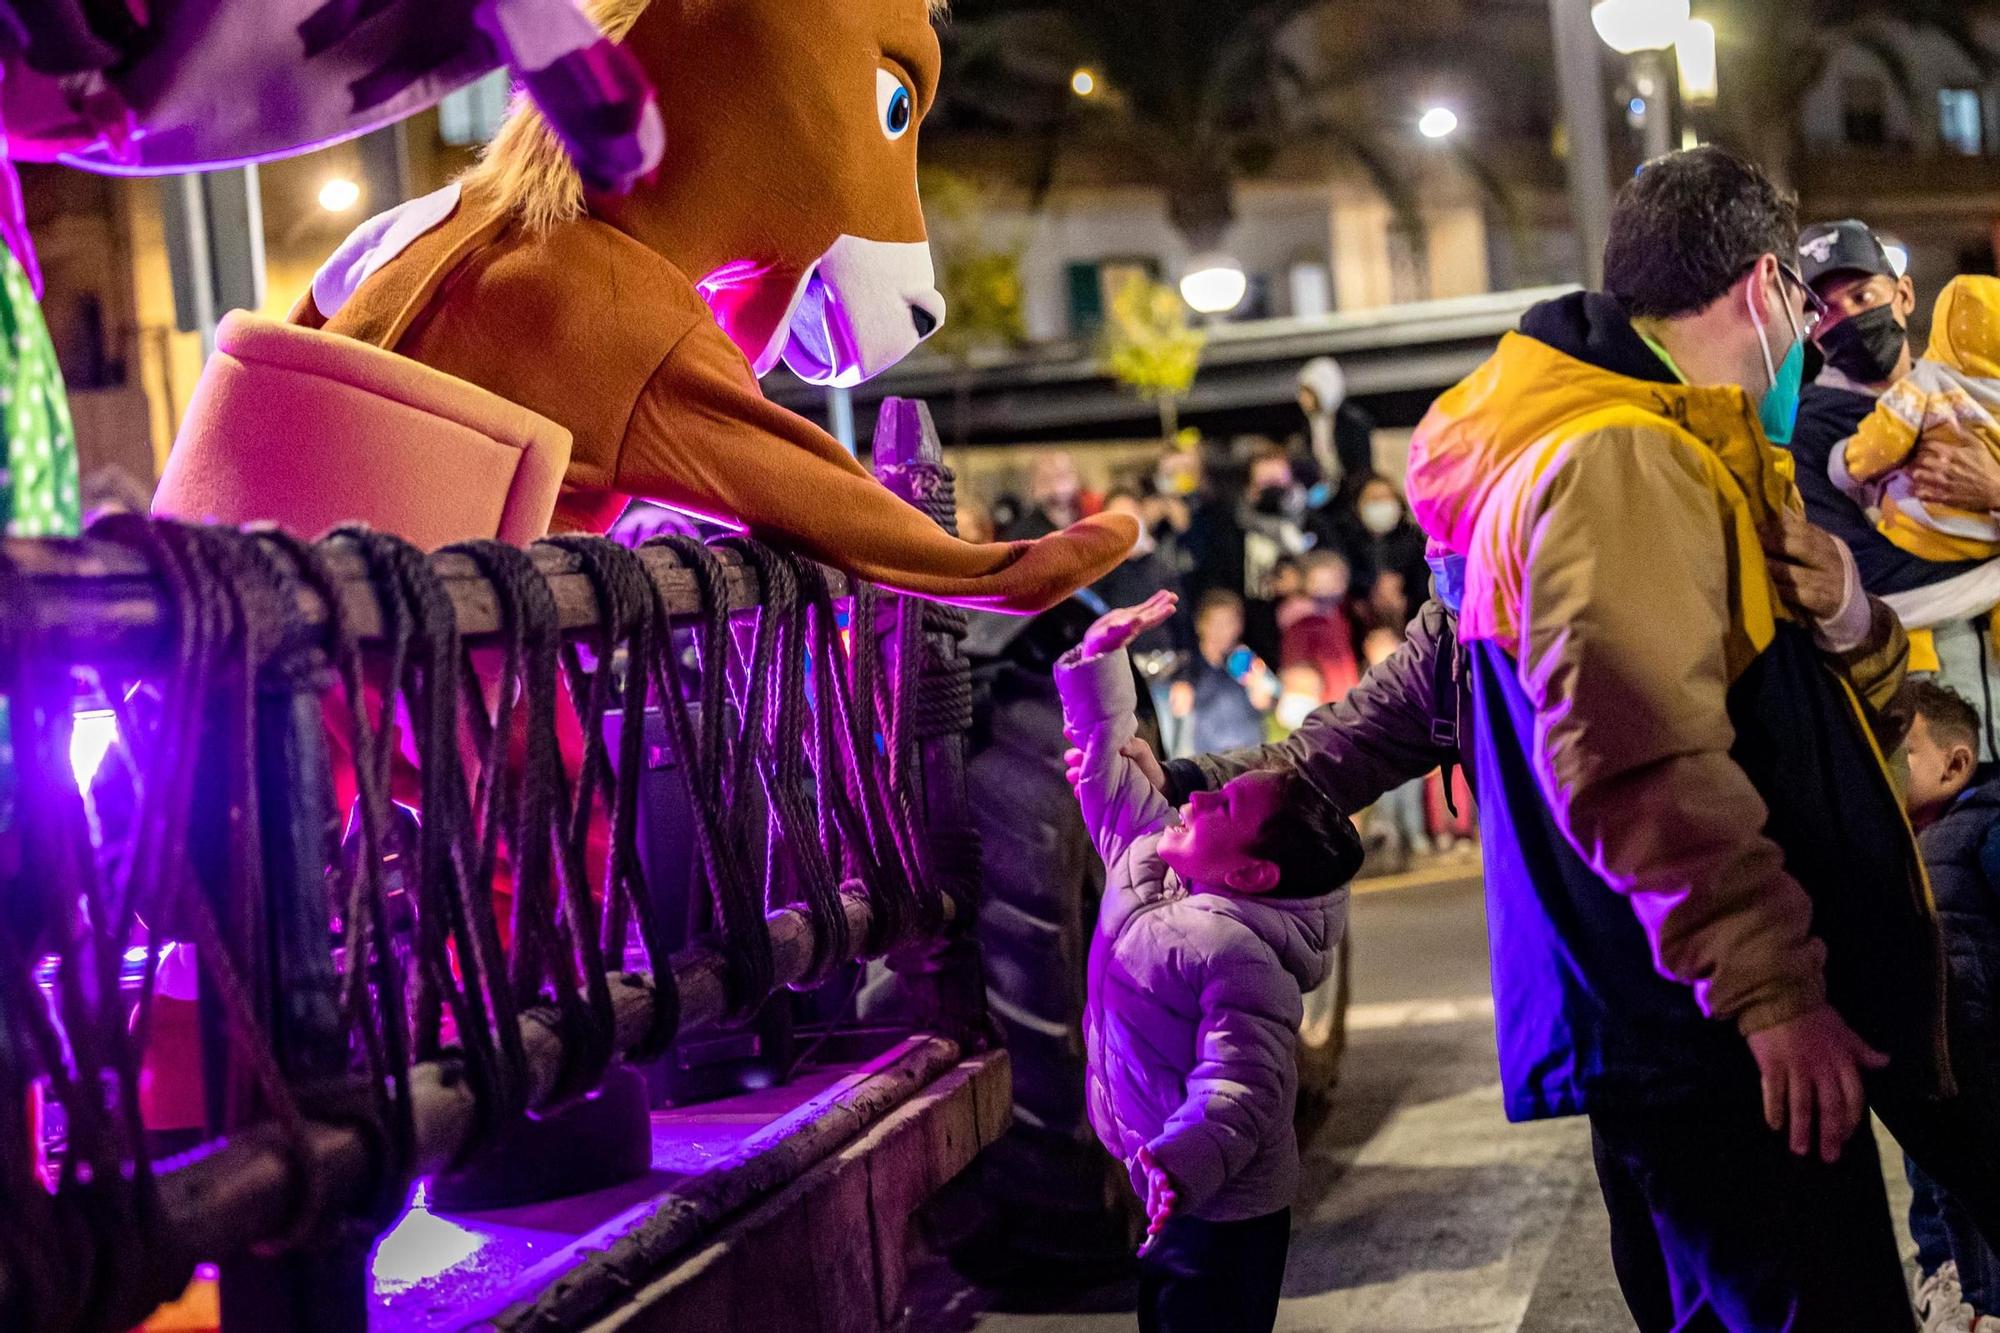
(1938, 771)
(1210, 847)
(1220, 629)
(1327, 580)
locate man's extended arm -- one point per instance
(1382, 735)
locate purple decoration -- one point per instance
(223, 82)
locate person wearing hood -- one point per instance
(1710, 924)
(1342, 439)
(1216, 919)
(1865, 343)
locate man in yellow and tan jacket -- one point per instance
(1709, 923)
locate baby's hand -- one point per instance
(1160, 1198)
(1115, 629)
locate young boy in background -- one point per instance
(1955, 806)
(1216, 919)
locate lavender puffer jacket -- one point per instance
(1192, 1016)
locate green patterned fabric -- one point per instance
(38, 489)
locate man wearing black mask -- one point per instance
(1865, 343)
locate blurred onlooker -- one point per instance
(1380, 538)
(1176, 486)
(1146, 570)
(1342, 438)
(975, 520)
(1398, 818)
(1300, 690)
(1284, 582)
(1388, 602)
(1006, 509)
(1221, 700)
(1316, 628)
(1272, 515)
(1055, 497)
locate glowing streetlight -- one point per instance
(1695, 49)
(1437, 122)
(1631, 26)
(1215, 284)
(339, 194)
(1083, 83)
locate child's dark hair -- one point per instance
(1948, 715)
(1311, 842)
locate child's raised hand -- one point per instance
(1115, 629)
(1160, 1198)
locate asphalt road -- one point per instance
(1422, 1208)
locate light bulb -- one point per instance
(1214, 285)
(339, 194)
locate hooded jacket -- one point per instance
(1194, 999)
(1689, 829)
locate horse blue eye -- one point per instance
(893, 104)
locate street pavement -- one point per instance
(1422, 1208)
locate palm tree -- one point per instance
(1773, 52)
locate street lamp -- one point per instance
(1631, 26)
(1437, 122)
(1214, 284)
(1084, 82)
(1643, 29)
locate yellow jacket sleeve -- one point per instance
(1627, 677)
(1887, 435)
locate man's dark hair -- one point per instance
(1948, 715)
(1688, 226)
(1314, 847)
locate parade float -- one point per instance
(432, 925)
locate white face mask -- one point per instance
(1381, 516)
(1293, 709)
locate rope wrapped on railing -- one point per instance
(418, 1030)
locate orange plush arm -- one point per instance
(703, 438)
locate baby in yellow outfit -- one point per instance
(1951, 395)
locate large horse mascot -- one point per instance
(783, 223)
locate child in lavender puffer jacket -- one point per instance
(1216, 919)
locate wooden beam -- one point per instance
(96, 600)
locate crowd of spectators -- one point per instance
(1291, 569)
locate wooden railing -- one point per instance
(290, 1189)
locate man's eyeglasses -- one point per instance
(1815, 312)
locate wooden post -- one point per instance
(947, 977)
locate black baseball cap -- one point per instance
(1848, 246)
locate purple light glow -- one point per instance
(420, 1247)
(92, 734)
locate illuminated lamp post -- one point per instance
(1643, 30)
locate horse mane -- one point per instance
(526, 165)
